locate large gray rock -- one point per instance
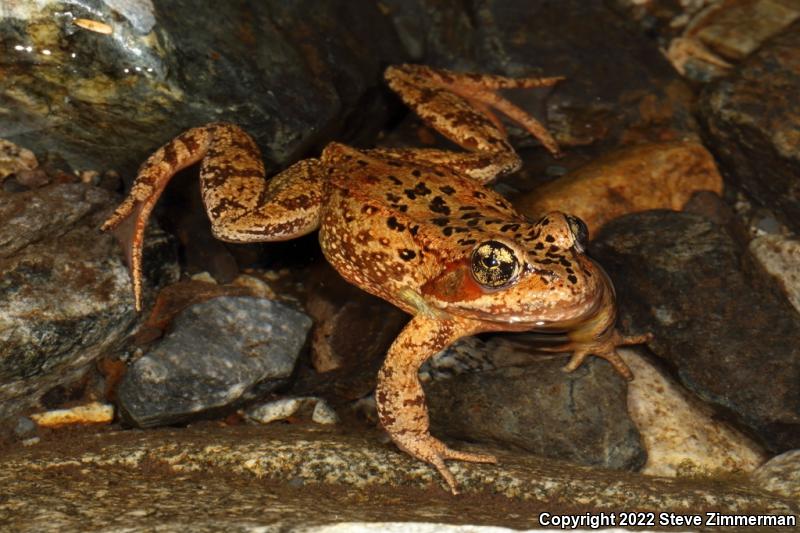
(220, 353)
(290, 73)
(730, 335)
(580, 417)
(65, 296)
(753, 121)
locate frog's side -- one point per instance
(414, 227)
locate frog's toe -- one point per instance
(626, 340)
(610, 355)
(434, 452)
(619, 365)
(577, 359)
(456, 455)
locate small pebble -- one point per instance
(284, 408)
(24, 426)
(91, 413)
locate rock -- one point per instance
(65, 296)
(781, 475)
(285, 477)
(24, 427)
(650, 176)
(702, 38)
(315, 409)
(752, 125)
(91, 413)
(15, 159)
(618, 88)
(680, 433)
(580, 417)
(352, 333)
(138, 73)
(220, 353)
(178, 296)
(729, 335)
(740, 28)
(781, 258)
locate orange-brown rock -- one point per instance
(638, 178)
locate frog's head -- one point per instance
(539, 281)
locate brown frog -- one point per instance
(416, 227)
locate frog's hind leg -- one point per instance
(460, 106)
(243, 206)
(401, 400)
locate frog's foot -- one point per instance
(427, 448)
(461, 106)
(607, 349)
(400, 398)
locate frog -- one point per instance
(417, 227)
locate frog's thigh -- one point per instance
(460, 106)
(480, 166)
(244, 207)
(242, 204)
(470, 126)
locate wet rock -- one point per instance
(650, 176)
(752, 125)
(290, 476)
(681, 435)
(109, 82)
(618, 88)
(220, 353)
(65, 296)
(780, 257)
(728, 333)
(580, 417)
(781, 475)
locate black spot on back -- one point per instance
(438, 205)
(394, 224)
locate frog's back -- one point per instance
(391, 224)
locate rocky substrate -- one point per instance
(235, 478)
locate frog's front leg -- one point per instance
(460, 106)
(401, 400)
(242, 205)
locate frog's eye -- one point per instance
(580, 233)
(494, 264)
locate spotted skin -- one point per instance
(416, 227)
